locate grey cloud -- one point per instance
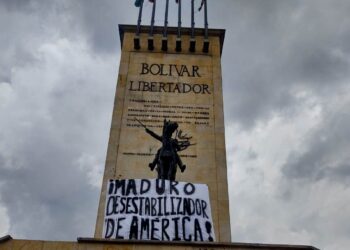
(99, 20)
(45, 125)
(326, 154)
(290, 44)
(16, 5)
(25, 28)
(44, 187)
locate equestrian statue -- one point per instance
(167, 159)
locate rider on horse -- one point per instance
(167, 157)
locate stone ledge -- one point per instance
(223, 245)
(8, 243)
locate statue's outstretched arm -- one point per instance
(159, 138)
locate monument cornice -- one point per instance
(127, 28)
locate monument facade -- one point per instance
(183, 87)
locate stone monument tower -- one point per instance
(183, 86)
(172, 74)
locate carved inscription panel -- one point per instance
(173, 87)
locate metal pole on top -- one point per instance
(178, 39)
(137, 36)
(192, 40)
(165, 31)
(150, 38)
(192, 19)
(206, 40)
(206, 19)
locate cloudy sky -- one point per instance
(286, 80)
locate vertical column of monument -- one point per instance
(220, 148)
(114, 135)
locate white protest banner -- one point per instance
(154, 209)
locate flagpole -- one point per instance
(192, 40)
(179, 20)
(165, 31)
(139, 19)
(150, 38)
(192, 19)
(178, 40)
(206, 40)
(152, 19)
(206, 19)
(137, 37)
